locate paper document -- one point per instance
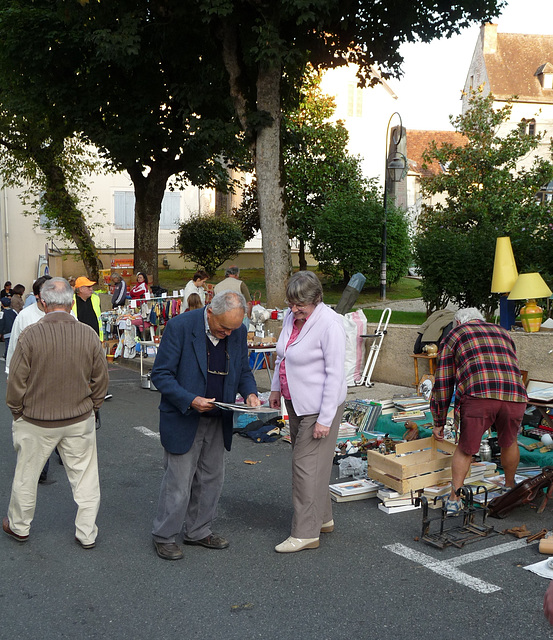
(229, 406)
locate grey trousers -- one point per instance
(311, 469)
(191, 486)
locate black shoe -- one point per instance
(168, 550)
(45, 480)
(213, 541)
(90, 545)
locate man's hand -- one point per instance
(319, 431)
(438, 433)
(202, 404)
(253, 401)
(274, 400)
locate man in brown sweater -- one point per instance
(58, 378)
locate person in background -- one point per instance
(86, 308)
(310, 376)
(140, 289)
(119, 297)
(232, 282)
(28, 316)
(194, 302)
(7, 290)
(6, 322)
(72, 281)
(86, 305)
(202, 357)
(58, 379)
(17, 297)
(479, 360)
(196, 285)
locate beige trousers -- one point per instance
(76, 444)
(311, 469)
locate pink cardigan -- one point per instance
(315, 364)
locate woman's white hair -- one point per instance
(465, 315)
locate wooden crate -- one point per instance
(427, 462)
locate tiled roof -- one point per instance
(512, 68)
(418, 141)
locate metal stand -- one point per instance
(456, 536)
(378, 336)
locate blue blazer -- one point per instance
(180, 373)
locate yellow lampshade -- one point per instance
(505, 272)
(529, 285)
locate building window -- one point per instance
(123, 208)
(355, 101)
(545, 194)
(45, 223)
(529, 126)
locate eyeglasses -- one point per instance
(219, 373)
(299, 307)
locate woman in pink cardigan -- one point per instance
(310, 376)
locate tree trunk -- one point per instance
(270, 189)
(148, 193)
(301, 255)
(266, 150)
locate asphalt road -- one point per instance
(353, 586)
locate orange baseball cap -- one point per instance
(83, 281)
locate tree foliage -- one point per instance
(140, 80)
(317, 166)
(489, 188)
(265, 46)
(210, 240)
(347, 237)
(51, 167)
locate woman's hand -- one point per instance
(319, 431)
(274, 400)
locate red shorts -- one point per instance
(479, 414)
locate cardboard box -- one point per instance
(415, 465)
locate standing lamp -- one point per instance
(530, 286)
(504, 276)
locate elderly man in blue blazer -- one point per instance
(203, 357)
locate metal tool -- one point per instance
(456, 536)
(378, 336)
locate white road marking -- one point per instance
(448, 568)
(147, 432)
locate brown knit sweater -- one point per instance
(58, 373)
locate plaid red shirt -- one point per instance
(480, 358)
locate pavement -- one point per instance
(371, 578)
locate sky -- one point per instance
(435, 73)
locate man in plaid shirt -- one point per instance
(479, 359)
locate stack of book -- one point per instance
(346, 430)
(361, 414)
(411, 403)
(354, 490)
(394, 502)
(406, 416)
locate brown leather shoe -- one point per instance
(212, 541)
(168, 550)
(6, 527)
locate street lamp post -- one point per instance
(394, 171)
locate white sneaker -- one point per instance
(291, 545)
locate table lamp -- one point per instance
(530, 286)
(504, 276)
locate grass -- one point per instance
(397, 317)
(405, 289)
